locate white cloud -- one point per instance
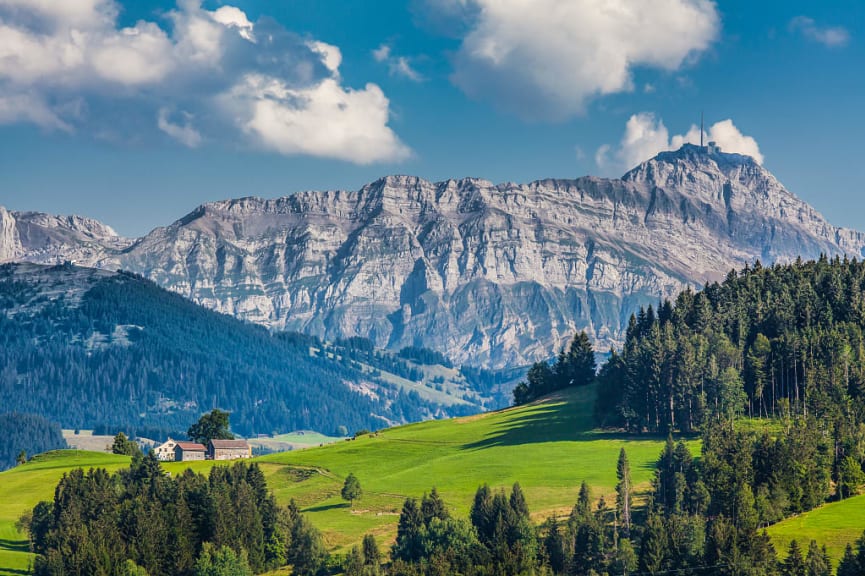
(232, 17)
(397, 65)
(184, 133)
(546, 59)
(53, 53)
(646, 135)
(324, 120)
(331, 56)
(30, 108)
(831, 36)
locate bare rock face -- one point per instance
(47, 239)
(10, 245)
(495, 275)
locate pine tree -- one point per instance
(518, 502)
(577, 367)
(793, 565)
(849, 565)
(371, 554)
(408, 545)
(654, 546)
(623, 492)
(433, 506)
(817, 562)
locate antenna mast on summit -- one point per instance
(701, 129)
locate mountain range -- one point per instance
(87, 347)
(490, 274)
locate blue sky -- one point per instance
(136, 112)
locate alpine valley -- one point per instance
(490, 275)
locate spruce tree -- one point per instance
(623, 492)
(793, 565)
(518, 502)
(817, 562)
(654, 546)
(849, 565)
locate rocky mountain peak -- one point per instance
(693, 165)
(493, 275)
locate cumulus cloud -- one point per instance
(397, 65)
(546, 59)
(831, 36)
(322, 120)
(646, 135)
(53, 55)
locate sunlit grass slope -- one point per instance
(835, 524)
(548, 447)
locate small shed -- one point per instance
(188, 451)
(165, 452)
(228, 449)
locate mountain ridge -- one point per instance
(490, 274)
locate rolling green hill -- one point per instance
(835, 524)
(547, 446)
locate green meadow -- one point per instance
(835, 525)
(548, 447)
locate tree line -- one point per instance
(774, 341)
(142, 521)
(705, 515)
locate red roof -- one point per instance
(191, 446)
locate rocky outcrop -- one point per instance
(10, 245)
(488, 274)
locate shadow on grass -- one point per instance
(558, 422)
(325, 507)
(14, 545)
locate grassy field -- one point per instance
(548, 447)
(834, 524)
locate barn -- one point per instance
(228, 449)
(187, 451)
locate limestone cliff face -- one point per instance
(10, 244)
(489, 274)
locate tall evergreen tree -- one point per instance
(624, 499)
(794, 564)
(817, 563)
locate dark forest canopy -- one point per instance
(768, 341)
(27, 433)
(101, 523)
(131, 355)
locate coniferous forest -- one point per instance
(23, 435)
(130, 355)
(779, 341)
(142, 521)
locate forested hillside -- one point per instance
(23, 435)
(88, 348)
(769, 341)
